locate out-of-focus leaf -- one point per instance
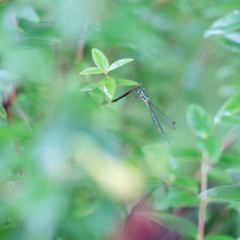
(92, 70)
(225, 24)
(234, 175)
(90, 86)
(5, 75)
(172, 166)
(229, 160)
(220, 9)
(212, 146)
(219, 237)
(48, 38)
(184, 152)
(232, 41)
(3, 113)
(231, 106)
(119, 63)
(109, 109)
(178, 224)
(224, 193)
(155, 149)
(177, 199)
(100, 59)
(200, 122)
(28, 13)
(219, 175)
(98, 97)
(18, 131)
(125, 82)
(234, 120)
(189, 183)
(108, 87)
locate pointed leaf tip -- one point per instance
(90, 86)
(125, 82)
(119, 63)
(100, 59)
(92, 70)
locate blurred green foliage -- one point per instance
(71, 163)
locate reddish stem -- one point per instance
(81, 44)
(7, 102)
(203, 204)
(125, 94)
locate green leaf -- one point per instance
(184, 152)
(225, 24)
(229, 160)
(189, 183)
(211, 146)
(178, 224)
(48, 38)
(234, 175)
(90, 86)
(108, 87)
(5, 75)
(119, 63)
(225, 193)
(231, 106)
(125, 82)
(219, 237)
(92, 70)
(100, 59)
(155, 149)
(232, 41)
(177, 199)
(219, 175)
(98, 97)
(234, 120)
(28, 13)
(3, 113)
(200, 122)
(109, 109)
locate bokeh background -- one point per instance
(71, 167)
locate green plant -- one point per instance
(71, 170)
(108, 84)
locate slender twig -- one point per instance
(7, 102)
(203, 204)
(81, 43)
(228, 139)
(125, 94)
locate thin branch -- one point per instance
(125, 94)
(7, 102)
(81, 43)
(228, 139)
(203, 204)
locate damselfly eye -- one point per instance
(143, 90)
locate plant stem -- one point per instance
(203, 204)
(125, 94)
(81, 43)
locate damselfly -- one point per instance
(161, 115)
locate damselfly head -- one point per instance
(141, 91)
